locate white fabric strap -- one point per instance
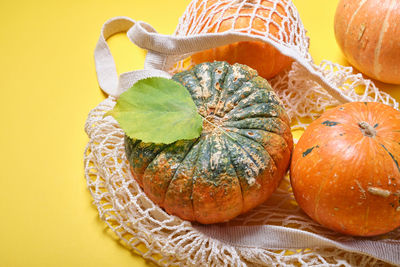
(106, 70)
(165, 50)
(145, 36)
(277, 237)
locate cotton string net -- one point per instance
(306, 91)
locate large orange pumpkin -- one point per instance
(264, 58)
(345, 169)
(368, 32)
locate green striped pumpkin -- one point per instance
(237, 162)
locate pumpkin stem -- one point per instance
(367, 129)
(216, 126)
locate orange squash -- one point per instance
(345, 170)
(368, 32)
(264, 58)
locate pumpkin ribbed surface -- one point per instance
(368, 33)
(237, 162)
(345, 171)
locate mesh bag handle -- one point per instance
(166, 50)
(289, 238)
(107, 75)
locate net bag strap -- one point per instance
(107, 75)
(166, 50)
(278, 237)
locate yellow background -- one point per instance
(48, 85)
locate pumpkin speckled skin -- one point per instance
(368, 33)
(345, 169)
(264, 58)
(236, 163)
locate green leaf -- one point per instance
(157, 110)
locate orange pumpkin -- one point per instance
(368, 32)
(345, 169)
(264, 58)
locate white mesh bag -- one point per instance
(276, 233)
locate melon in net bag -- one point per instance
(276, 232)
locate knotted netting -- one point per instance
(305, 89)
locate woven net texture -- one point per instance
(167, 240)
